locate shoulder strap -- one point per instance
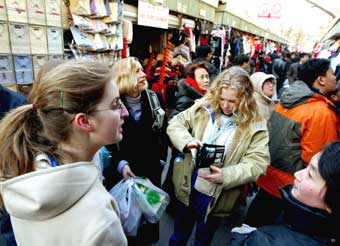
(156, 109)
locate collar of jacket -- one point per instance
(186, 89)
(302, 218)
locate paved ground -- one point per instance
(166, 228)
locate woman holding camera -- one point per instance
(226, 116)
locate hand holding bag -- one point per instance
(130, 213)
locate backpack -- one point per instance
(156, 110)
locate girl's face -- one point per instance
(141, 79)
(108, 118)
(267, 88)
(309, 186)
(229, 100)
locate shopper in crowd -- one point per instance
(311, 207)
(9, 100)
(243, 61)
(301, 124)
(227, 115)
(141, 150)
(280, 67)
(293, 69)
(264, 92)
(204, 53)
(193, 87)
(48, 178)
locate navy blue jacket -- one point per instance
(9, 100)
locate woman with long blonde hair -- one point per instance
(226, 116)
(46, 151)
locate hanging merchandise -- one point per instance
(197, 30)
(127, 31)
(80, 7)
(192, 42)
(246, 45)
(66, 16)
(98, 9)
(38, 40)
(19, 38)
(101, 43)
(53, 13)
(217, 42)
(113, 16)
(99, 32)
(55, 40)
(16, 11)
(119, 41)
(85, 24)
(55, 57)
(149, 65)
(160, 86)
(3, 15)
(83, 40)
(6, 69)
(4, 38)
(68, 57)
(36, 12)
(23, 69)
(38, 62)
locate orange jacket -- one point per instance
(301, 124)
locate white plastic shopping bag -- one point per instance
(151, 199)
(130, 212)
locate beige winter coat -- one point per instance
(247, 158)
(64, 205)
(265, 104)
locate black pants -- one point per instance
(265, 209)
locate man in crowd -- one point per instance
(243, 61)
(301, 124)
(204, 53)
(293, 69)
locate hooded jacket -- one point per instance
(246, 159)
(266, 104)
(64, 205)
(301, 124)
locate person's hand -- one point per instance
(194, 144)
(127, 173)
(215, 177)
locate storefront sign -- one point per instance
(151, 15)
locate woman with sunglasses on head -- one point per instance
(141, 150)
(50, 186)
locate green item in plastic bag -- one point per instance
(153, 197)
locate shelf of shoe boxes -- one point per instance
(31, 33)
